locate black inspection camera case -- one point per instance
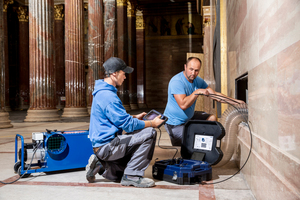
(202, 141)
(200, 149)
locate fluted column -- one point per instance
(131, 10)
(140, 56)
(6, 81)
(4, 116)
(74, 60)
(122, 33)
(96, 46)
(23, 57)
(41, 61)
(110, 34)
(59, 55)
(207, 59)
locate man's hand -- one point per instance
(157, 121)
(202, 91)
(139, 116)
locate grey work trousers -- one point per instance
(176, 131)
(128, 154)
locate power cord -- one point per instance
(27, 168)
(246, 121)
(166, 147)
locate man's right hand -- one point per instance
(157, 121)
(202, 91)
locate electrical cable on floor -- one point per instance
(166, 147)
(27, 168)
(246, 121)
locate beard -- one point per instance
(191, 78)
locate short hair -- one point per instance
(107, 74)
(191, 58)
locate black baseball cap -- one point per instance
(114, 64)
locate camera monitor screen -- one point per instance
(152, 114)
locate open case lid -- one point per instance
(202, 141)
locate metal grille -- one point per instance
(56, 143)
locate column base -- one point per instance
(142, 105)
(59, 107)
(127, 107)
(134, 106)
(7, 108)
(89, 109)
(23, 107)
(75, 112)
(4, 120)
(41, 115)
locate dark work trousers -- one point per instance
(176, 131)
(128, 154)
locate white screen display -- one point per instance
(203, 142)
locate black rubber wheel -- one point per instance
(24, 175)
(16, 166)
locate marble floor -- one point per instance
(72, 184)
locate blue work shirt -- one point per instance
(180, 85)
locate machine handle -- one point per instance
(22, 149)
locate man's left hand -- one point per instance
(140, 116)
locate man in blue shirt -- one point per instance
(183, 91)
(121, 157)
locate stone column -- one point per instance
(74, 60)
(4, 116)
(23, 57)
(122, 34)
(208, 103)
(110, 34)
(140, 59)
(131, 10)
(95, 46)
(59, 56)
(41, 62)
(6, 78)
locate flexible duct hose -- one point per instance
(230, 120)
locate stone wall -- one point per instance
(165, 57)
(264, 40)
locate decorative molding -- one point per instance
(5, 4)
(206, 17)
(206, 10)
(86, 6)
(121, 2)
(131, 9)
(22, 12)
(206, 21)
(140, 23)
(58, 12)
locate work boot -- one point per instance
(92, 168)
(137, 181)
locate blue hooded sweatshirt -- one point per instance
(108, 116)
